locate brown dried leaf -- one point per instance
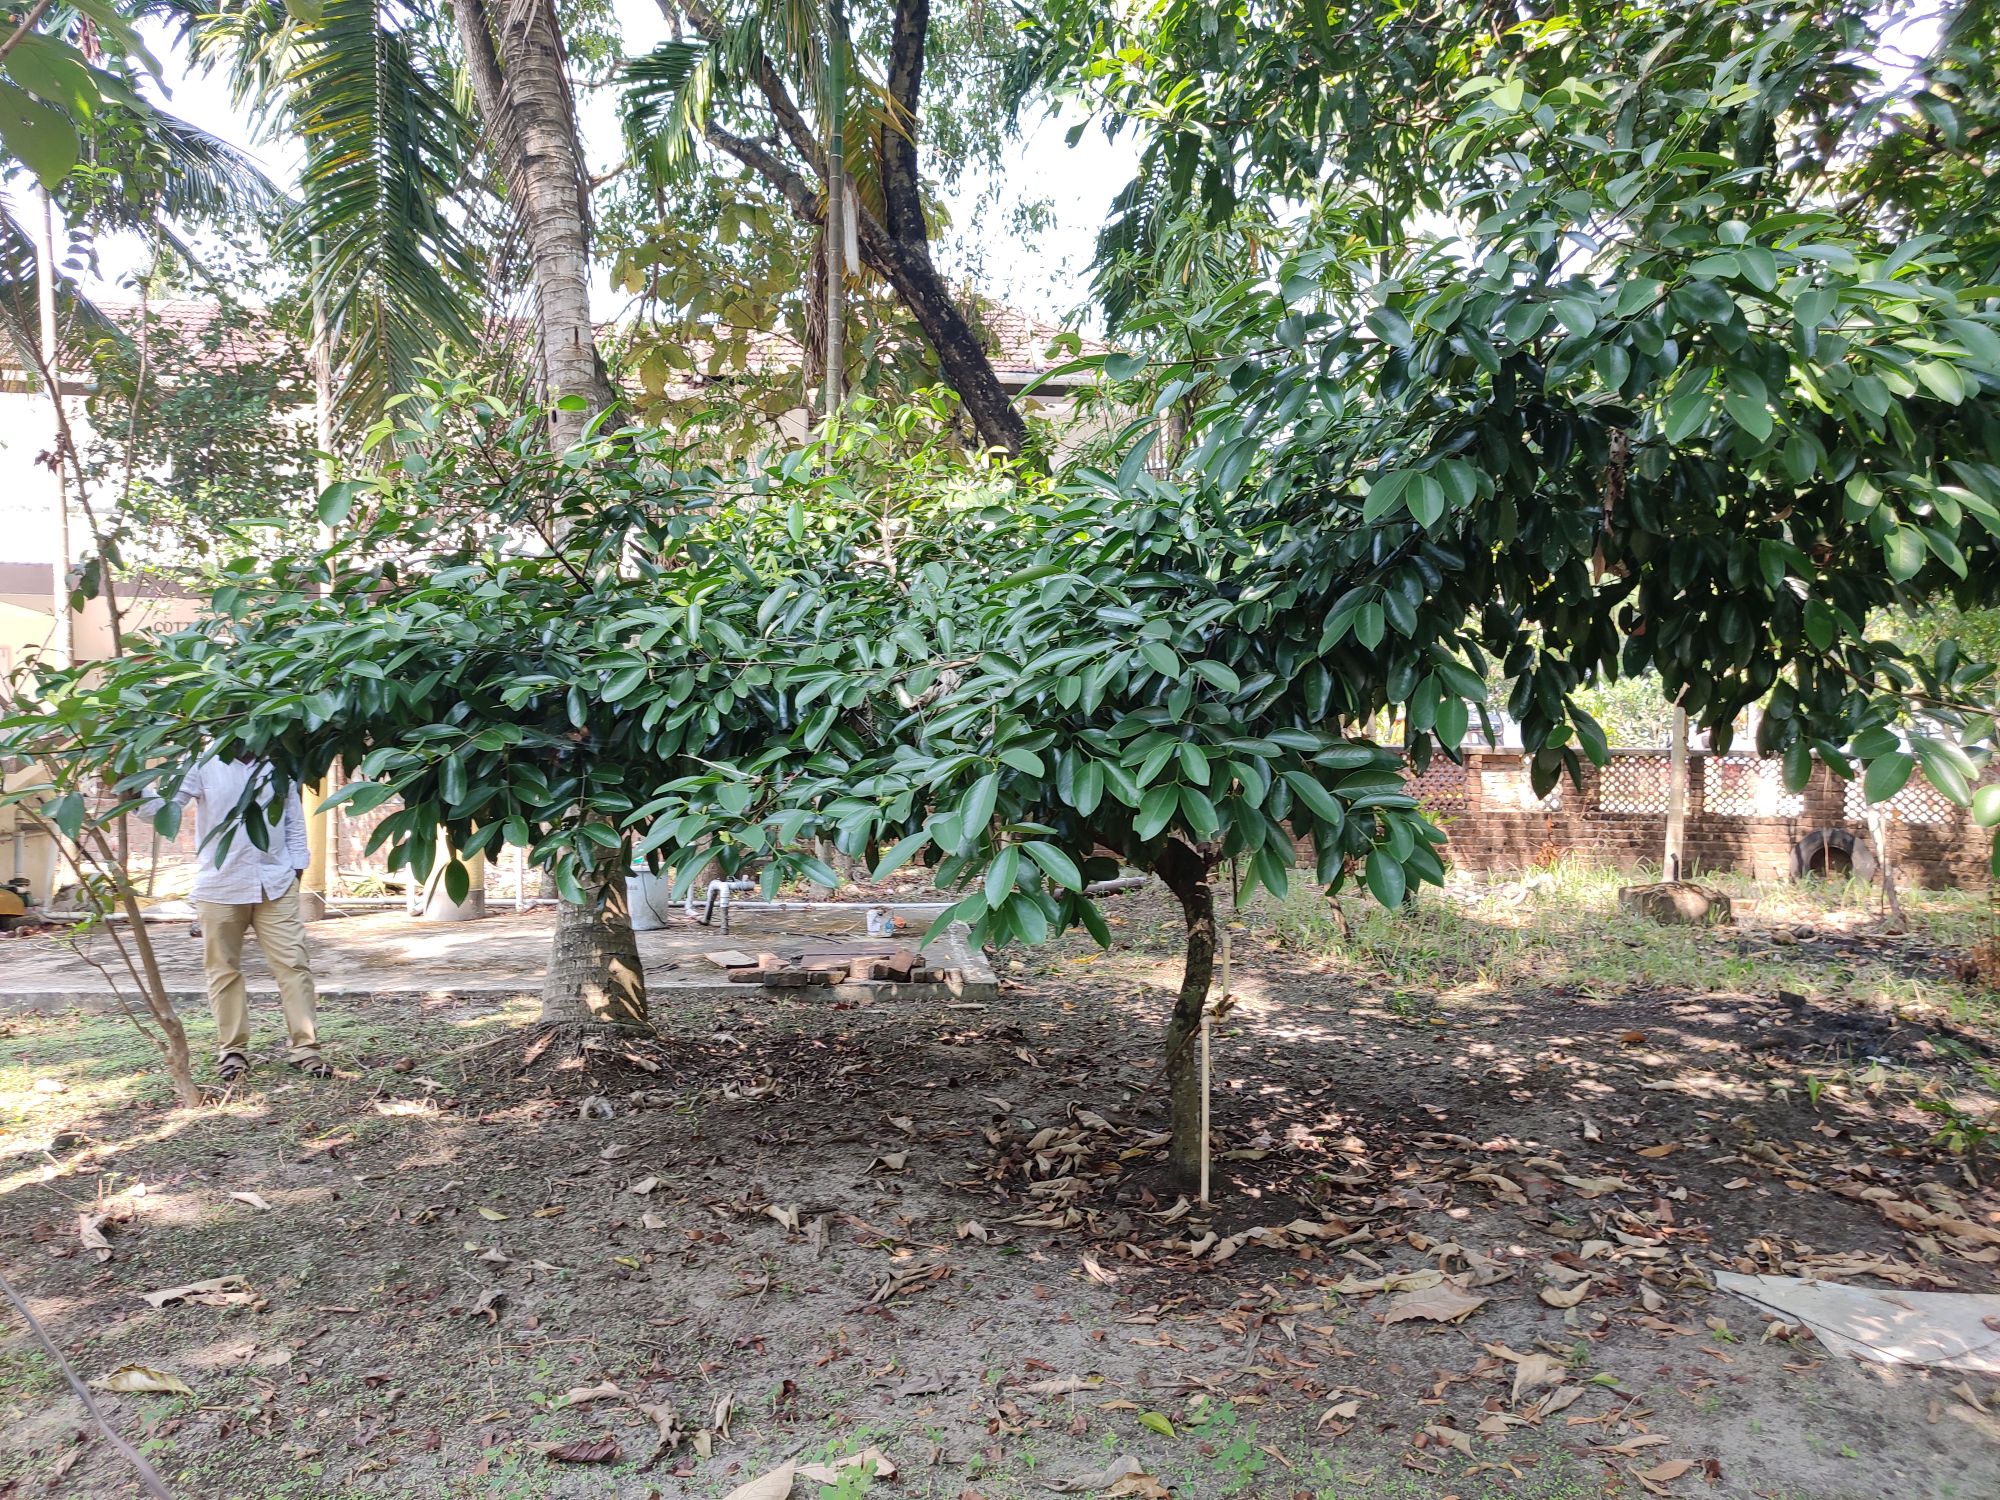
(255, 1200)
(90, 1230)
(1067, 1385)
(1536, 1371)
(1665, 1473)
(1346, 1411)
(1438, 1304)
(129, 1380)
(1450, 1437)
(776, 1485)
(602, 1450)
(1567, 1296)
(222, 1291)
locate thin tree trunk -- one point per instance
(1893, 919)
(595, 978)
(1187, 874)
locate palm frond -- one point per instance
(387, 150)
(666, 102)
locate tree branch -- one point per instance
(804, 199)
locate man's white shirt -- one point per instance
(241, 874)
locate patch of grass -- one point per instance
(1561, 927)
(28, 1379)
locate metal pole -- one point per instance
(63, 637)
(836, 206)
(317, 882)
(1671, 860)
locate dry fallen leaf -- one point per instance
(493, 1214)
(1438, 1304)
(1567, 1296)
(644, 1186)
(90, 1230)
(222, 1291)
(603, 1450)
(130, 1380)
(1536, 1371)
(254, 1200)
(776, 1485)
(1449, 1437)
(725, 1407)
(1346, 1411)
(870, 1460)
(583, 1393)
(1064, 1386)
(1665, 1473)
(1558, 1400)
(1123, 1471)
(890, 1161)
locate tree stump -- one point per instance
(1676, 903)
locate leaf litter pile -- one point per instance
(794, 1249)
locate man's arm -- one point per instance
(188, 791)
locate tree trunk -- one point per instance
(595, 978)
(902, 252)
(1186, 874)
(521, 81)
(896, 247)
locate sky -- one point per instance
(1047, 278)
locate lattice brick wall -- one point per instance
(1917, 803)
(1508, 789)
(1747, 786)
(1444, 787)
(1634, 784)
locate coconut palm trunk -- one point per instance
(520, 79)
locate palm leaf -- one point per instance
(392, 159)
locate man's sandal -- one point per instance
(313, 1067)
(232, 1066)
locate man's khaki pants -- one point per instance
(281, 933)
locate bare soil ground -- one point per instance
(944, 1234)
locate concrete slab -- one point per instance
(388, 953)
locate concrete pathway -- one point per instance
(507, 953)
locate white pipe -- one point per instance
(1115, 887)
(716, 888)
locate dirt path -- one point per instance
(942, 1234)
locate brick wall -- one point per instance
(1739, 817)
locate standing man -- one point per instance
(244, 888)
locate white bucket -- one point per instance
(651, 899)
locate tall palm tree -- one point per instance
(395, 173)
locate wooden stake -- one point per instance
(1207, 1022)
